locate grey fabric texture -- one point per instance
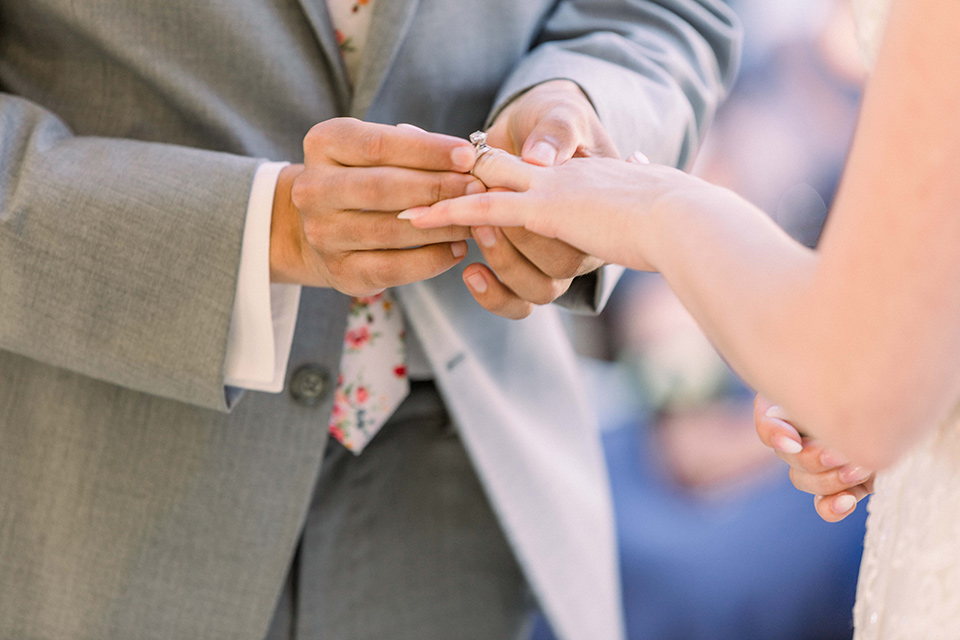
(132, 504)
(405, 534)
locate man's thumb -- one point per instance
(553, 141)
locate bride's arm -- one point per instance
(860, 341)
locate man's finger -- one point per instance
(370, 231)
(493, 295)
(355, 143)
(514, 270)
(371, 271)
(388, 188)
(555, 139)
(554, 257)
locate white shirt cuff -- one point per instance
(264, 314)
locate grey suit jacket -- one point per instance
(135, 500)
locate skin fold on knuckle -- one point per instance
(315, 142)
(379, 232)
(370, 145)
(302, 191)
(371, 186)
(321, 234)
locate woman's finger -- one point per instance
(830, 482)
(498, 169)
(503, 209)
(776, 433)
(836, 507)
(776, 430)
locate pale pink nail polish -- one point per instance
(777, 413)
(786, 445)
(459, 249)
(843, 504)
(854, 475)
(412, 214)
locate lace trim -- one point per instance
(910, 574)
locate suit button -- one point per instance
(309, 385)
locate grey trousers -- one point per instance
(401, 543)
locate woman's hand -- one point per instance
(601, 206)
(836, 485)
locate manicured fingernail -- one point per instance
(831, 459)
(786, 445)
(474, 188)
(463, 158)
(843, 504)
(407, 125)
(459, 249)
(543, 153)
(477, 282)
(853, 475)
(778, 413)
(412, 214)
(638, 158)
(486, 236)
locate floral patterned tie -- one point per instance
(373, 375)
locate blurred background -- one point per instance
(715, 542)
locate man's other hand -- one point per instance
(547, 125)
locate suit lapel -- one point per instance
(319, 19)
(390, 22)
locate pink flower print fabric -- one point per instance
(373, 374)
(373, 377)
(351, 21)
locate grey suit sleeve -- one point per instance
(118, 259)
(655, 71)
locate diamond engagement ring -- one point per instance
(479, 141)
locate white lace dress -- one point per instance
(910, 575)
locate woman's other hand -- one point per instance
(814, 468)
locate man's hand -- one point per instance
(334, 218)
(547, 125)
(837, 485)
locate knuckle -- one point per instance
(370, 145)
(319, 136)
(372, 185)
(301, 192)
(337, 128)
(317, 232)
(381, 231)
(369, 279)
